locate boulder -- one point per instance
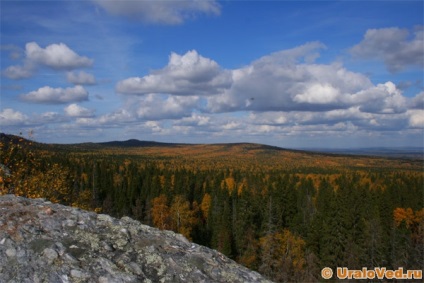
(42, 241)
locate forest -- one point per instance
(284, 213)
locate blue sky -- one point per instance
(287, 73)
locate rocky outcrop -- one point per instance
(45, 242)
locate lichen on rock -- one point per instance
(45, 242)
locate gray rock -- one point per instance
(50, 255)
(11, 252)
(45, 242)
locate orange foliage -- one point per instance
(83, 200)
(179, 217)
(206, 205)
(161, 212)
(183, 218)
(230, 183)
(282, 251)
(241, 186)
(408, 216)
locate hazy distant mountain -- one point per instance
(395, 152)
(136, 143)
(398, 152)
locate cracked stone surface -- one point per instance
(45, 242)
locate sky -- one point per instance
(293, 74)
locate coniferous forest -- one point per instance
(286, 214)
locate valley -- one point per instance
(284, 213)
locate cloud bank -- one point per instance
(282, 95)
(288, 80)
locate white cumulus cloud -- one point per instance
(115, 119)
(195, 120)
(55, 56)
(49, 95)
(417, 102)
(157, 107)
(74, 110)
(318, 94)
(10, 117)
(382, 98)
(416, 118)
(188, 74)
(394, 46)
(288, 80)
(169, 12)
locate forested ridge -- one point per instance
(284, 213)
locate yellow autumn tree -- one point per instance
(25, 172)
(404, 215)
(17, 163)
(282, 256)
(414, 220)
(83, 201)
(51, 184)
(161, 212)
(206, 205)
(230, 183)
(182, 216)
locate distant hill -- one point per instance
(393, 152)
(136, 143)
(12, 138)
(226, 150)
